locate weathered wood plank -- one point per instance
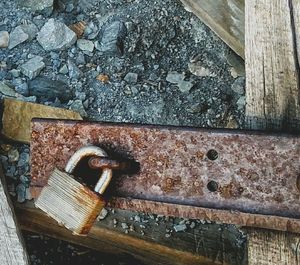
(225, 17)
(206, 244)
(272, 64)
(272, 100)
(12, 250)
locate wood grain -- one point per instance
(272, 64)
(206, 244)
(225, 17)
(12, 250)
(272, 100)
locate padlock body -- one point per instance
(70, 203)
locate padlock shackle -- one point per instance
(87, 151)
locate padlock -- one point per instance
(71, 203)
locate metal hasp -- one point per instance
(244, 178)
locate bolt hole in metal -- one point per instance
(212, 154)
(212, 186)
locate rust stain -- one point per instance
(256, 173)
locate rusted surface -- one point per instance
(256, 174)
(102, 162)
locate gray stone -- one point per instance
(6, 90)
(63, 70)
(4, 39)
(55, 35)
(175, 77)
(124, 226)
(15, 73)
(45, 88)
(33, 67)
(131, 78)
(23, 159)
(78, 106)
(241, 103)
(112, 38)
(137, 218)
(30, 29)
(238, 85)
(13, 155)
(21, 87)
(185, 86)
(80, 60)
(192, 225)
(102, 214)
(74, 71)
(43, 6)
(21, 192)
(196, 68)
(17, 36)
(25, 180)
(180, 228)
(85, 45)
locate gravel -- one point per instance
(33, 67)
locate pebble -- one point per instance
(17, 36)
(238, 85)
(21, 192)
(77, 106)
(197, 69)
(55, 35)
(23, 159)
(241, 102)
(131, 228)
(192, 225)
(137, 218)
(112, 38)
(102, 214)
(30, 29)
(115, 221)
(175, 77)
(167, 235)
(6, 90)
(46, 88)
(85, 45)
(131, 78)
(64, 69)
(21, 87)
(24, 180)
(4, 39)
(13, 155)
(33, 67)
(185, 86)
(10, 171)
(124, 226)
(15, 73)
(74, 71)
(180, 227)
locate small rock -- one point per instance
(78, 107)
(25, 180)
(131, 78)
(124, 226)
(103, 78)
(85, 45)
(185, 86)
(21, 87)
(175, 77)
(28, 195)
(17, 36)
(64, 69)
(238, 86)
(241, 103)
(43, 6)
(167, 235)
(74, 71)
(192, 225)
(15, 73)
(78, 28)
(142, 233)
(115, 221)
(50, 89)
(33, 67)
(102, 214)
(137, 218)
(23, 159)
(55, 35)
(197, 69)
(11, 171)
(4, 39)
(30, 29)
(131, 228)
(6, 90)
(80, 60)
(21, 192)
(112, 38)
(13, 155)
(180, 228)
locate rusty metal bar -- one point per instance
(246, 178)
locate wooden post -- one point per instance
(12, 250)
(272, 99)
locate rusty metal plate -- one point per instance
(247, 178)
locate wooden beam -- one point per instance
(207, 244)
(272, 64)
(225, 17)
(272, 100)
(12, 250)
